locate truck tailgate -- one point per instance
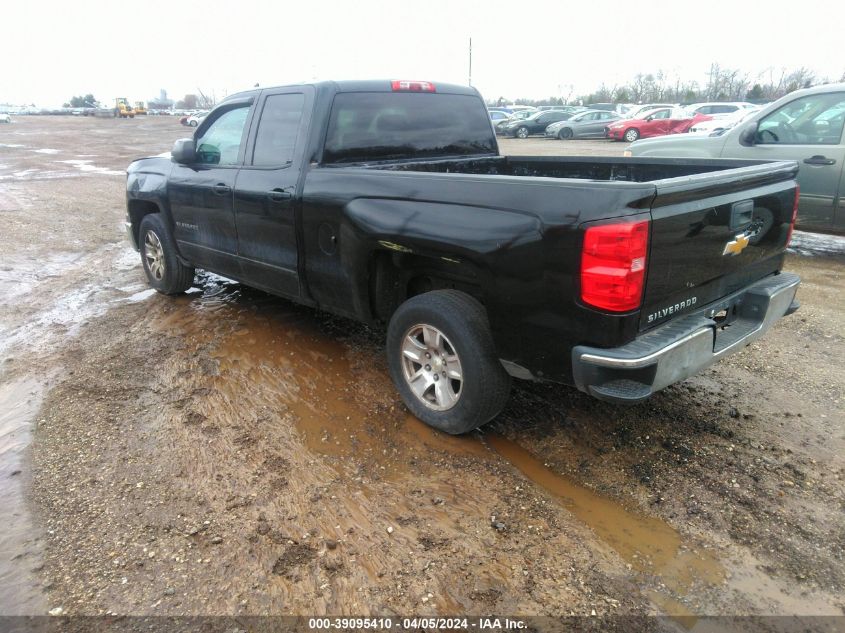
(713, 234)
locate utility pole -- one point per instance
(470, 61)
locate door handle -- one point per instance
(220, 189)
(818, 159)
(279, 195)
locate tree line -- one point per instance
(722, 84)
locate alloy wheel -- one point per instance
(154, 255)
(431, 367)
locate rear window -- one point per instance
(370, 126)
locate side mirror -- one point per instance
(649, 118)
(748, 134)
(184, 151)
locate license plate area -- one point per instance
(730, 323)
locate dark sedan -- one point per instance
(535, 124)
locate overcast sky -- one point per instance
(52, 50)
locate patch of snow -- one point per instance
(141, 296)
(46, 151)
(816, 244)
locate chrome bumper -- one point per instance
(683, 347)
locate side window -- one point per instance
(812, 120)
(661, 114)
(278, 128)
(221, 142)
(704, 110)
(723, 109)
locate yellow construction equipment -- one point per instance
(123, 109)
(140, 108)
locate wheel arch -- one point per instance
(395, 277)
(408, 247)
(137, 210)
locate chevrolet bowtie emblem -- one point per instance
(735, 246)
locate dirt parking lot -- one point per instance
(227, 452)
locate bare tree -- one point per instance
(206, 102)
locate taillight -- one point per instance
(794, 214)
(613, 264)
(403, 85)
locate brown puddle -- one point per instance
(648, 544)
(338, 396)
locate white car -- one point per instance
(639, 111)
(721, 109)
(718, 125)
(195, 119)
(5, 118)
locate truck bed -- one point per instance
(577, 167)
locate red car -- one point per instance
(658, 122)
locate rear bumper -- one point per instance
(685, 346)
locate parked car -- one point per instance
(806, 126)
(5, 118)
(587, 124)
(195, 119)
(515, 116)
(497, 115)
(719, 123)
(354, 198)
(534, 124)
(716, 109)
(637, 111)
(658, 122)
(618, 108)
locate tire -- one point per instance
(159, 258)
(522, 132)
(565, 134)
(466, 344)
(192, 123)
(631, 134)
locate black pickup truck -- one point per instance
(388, 202)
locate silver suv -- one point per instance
(805, 126)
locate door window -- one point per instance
(278, 128)
(812, 120)
(220, 143)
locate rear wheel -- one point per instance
(522, 132)
(443, 361)
(161, 263)
(632, 134)
(565, 134)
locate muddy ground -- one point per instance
(227, 452)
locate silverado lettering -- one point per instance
(388, 202)
(654, 316)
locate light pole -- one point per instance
(470, 61)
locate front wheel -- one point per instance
(522, 132)
(632, 134)
(443, 361)
(161, 263)
(565, 134)
(192, 123)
